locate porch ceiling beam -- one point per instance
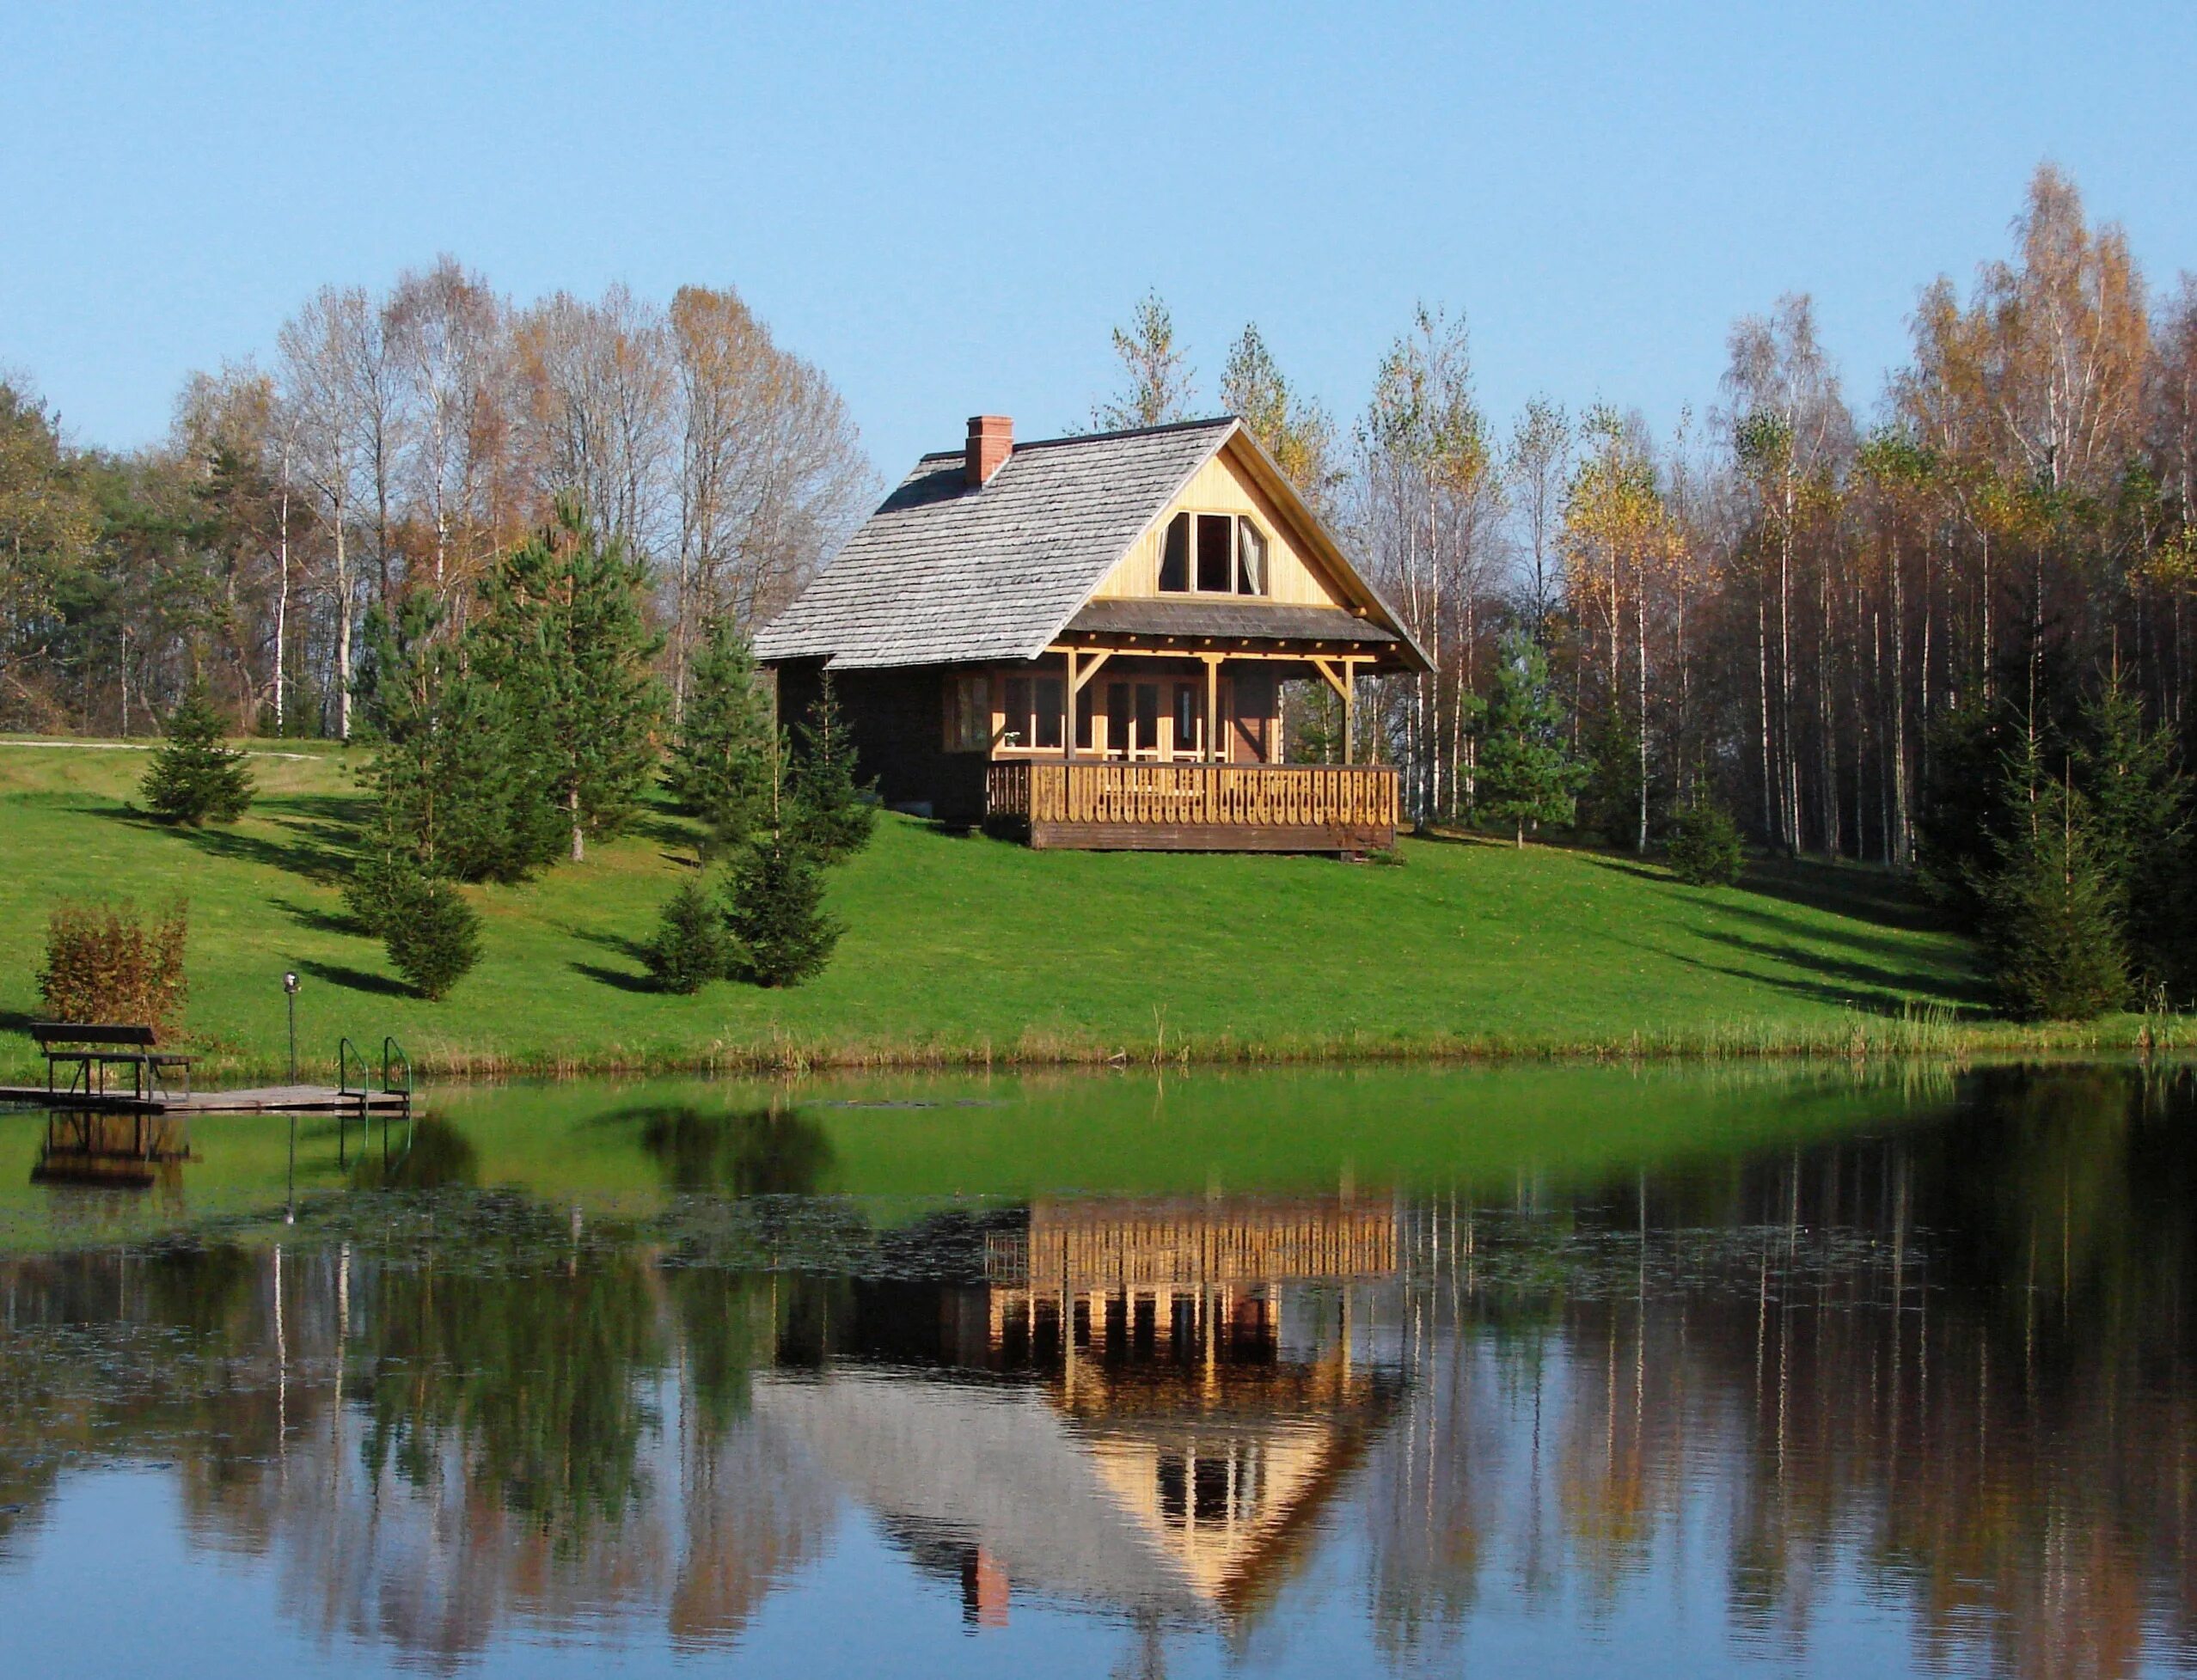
(1328, 656)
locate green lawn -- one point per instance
(961, 948)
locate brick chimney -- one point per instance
(991, 440)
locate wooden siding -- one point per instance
(1295, 577)
(897, 719)
(1196, 807)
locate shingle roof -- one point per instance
(1195, 616)
(942, 572)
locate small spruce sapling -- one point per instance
(2052, 936)
(723, 765)
(194, 780)
(1526, 777)
(1706, 850)
(690, 947)
(830, 813)
(780, 933)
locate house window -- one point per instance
(1216, 566)
(969, 713)
(1035, 712)
(1146, 739)
(1251, 558)
(1214, 554)
(1045, 727)
(1186, 708)
(1174, 557)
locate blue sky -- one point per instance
(947, 207)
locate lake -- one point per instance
(1595, 1369)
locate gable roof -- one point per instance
(941, 573)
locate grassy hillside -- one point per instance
(963, 948)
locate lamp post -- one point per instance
(290, 991)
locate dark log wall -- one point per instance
(898, 721)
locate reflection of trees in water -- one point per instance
(1953, 1360)
(425, 1154)
(499, 1417)
(751, 1153)
(1956, 1362)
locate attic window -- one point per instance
(1212, 553)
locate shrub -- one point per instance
(780, 934)
(688, 949)
(1705, 847)
(106, 962)
(432, 934)
(193, 779)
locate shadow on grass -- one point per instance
(314, 837)
(619, 977)
(1856, 890)
(357, 980)
(319, 920)
(1845, 980)
(634, 949)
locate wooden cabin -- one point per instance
(1080, 642)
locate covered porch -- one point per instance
(1158, 726)
(1095, 804)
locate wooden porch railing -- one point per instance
(1343, 798)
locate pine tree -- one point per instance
(724, 766)
(192, 779)
(688, 949)
(775, 914)
(1525, 775)
(2140, 803)
(1609, 803)
(2051, 933)
(1706, 850)
(459, 783)
(432, 934)
(830, 812)
(564, 643)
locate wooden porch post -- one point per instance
(1212, 707)
(1067, 724)
(1350, 706)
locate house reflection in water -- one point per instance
(1141, 1407)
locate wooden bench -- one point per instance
(101, 1044)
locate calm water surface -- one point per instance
(1586, 1371)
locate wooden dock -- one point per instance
(261, 1100)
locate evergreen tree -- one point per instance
(688, 948)
(780, 934)
(459, 782)
(432, 934)
(830, 813)
(724, 765)
(1526, 776)
(192, 779)
(2050, 930)
(564, 643)
(2140, 803)
(1706, 850)
(1609, 805)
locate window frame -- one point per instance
(1180, 555)
(968, 719)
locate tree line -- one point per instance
(1926, 635)
(394, 446)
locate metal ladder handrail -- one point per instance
(393, 1051)
(393, 1055)
(344, 1051)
